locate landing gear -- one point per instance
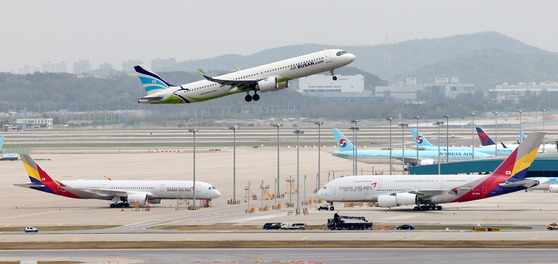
(427, 207)
(333, 74)
(249, 98)
(119, 205)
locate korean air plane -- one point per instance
(426, 157)
(427, 192)
(266, 78)
(423, 143)
(120, 192)
(1, 143)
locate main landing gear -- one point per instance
(333, 74)
(427, 207)
(119, 205)
(249, 98)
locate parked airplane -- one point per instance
(426, 192)
(122, 193)
(546, 183)
(266, 78)
(479, 151)
(1, 143)
(371, 156)
(482, 134)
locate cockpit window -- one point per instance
(212, 188)
(341, 53)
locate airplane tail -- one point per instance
(40, 180)
(522, 136)
(1, 143)
(342, 142)
(509, 176)
(485, 138)
(420, 139)
(152, 83)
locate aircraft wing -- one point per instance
(408, 160)
(104, 192)
(240, 84)
(428, 193)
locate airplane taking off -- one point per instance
(423, 143)
(266, 78)
(426, 157)
(426, 192)
(122, 193)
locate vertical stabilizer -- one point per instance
(484, 138)
(1, 143)
(152, 83)
(342, 142)
(421, 140)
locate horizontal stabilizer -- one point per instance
(524, 183)
(30, 185)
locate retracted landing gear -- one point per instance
(427, 207)
(333, 74)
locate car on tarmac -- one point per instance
(274, 225)
(552, 226)
(30, 229)
(405, 227)
(301, 226)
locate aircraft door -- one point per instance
(162, 188)
(327, 56)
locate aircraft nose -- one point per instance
(350, 57)
(216, 193)
(320, 194)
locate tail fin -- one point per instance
(152, 83)
(342, 142)
(522, 136)
(420, 139)
(509, 176)
(484, 138)
(40, 180)
(1, 143)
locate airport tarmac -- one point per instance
(25, 207)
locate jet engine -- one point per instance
(397, 199)
(426, 162)
(137, 198)
(267, 85)
(553, 188)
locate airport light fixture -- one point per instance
(193, 131)
(298, 132)
(520, 111)
(319, 123)
(438, 124)
(447, 136)
(355, 147)
(543, 118)
(234, 162)
(473, 135)
(390, 147)
(496, 145)
(416, 142)
(277, 191)
(403, 126)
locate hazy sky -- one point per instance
(115, 30)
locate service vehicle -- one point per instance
(30, 229)
(338, 222)
(552, 226)
(274, 225)
(301, 226)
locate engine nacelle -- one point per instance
(267, 85)
(426, 162)
(139, 199)
(553, 188)
(397, 199)
(283, 85)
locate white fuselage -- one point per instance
(86, 189)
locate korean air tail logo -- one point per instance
(419, 139)
(342, 143)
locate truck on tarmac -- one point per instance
(338, 222)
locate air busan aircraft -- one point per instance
(426, 192)
(120, 193)
(426, 157)
(423, 143)
(266, 78)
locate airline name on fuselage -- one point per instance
(456, 153)
(355, 188)
(306, 64)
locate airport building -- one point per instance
(410, 91)
(34, 122)
(325, 86)
(511, 93)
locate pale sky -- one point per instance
(116, 30)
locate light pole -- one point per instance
(447, 137)
(473, 134)
(403, 126)
(355, 147)
(416, 142)
(543, 117)
(193, 130)
(298, 132)
(438, 124)
(496, 145)
(277, 191)
(234, 162)
(520, 111)
(319, 123)
(390, 147)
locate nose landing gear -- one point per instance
(333, 74)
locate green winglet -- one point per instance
(237, 68)
(202, 72)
